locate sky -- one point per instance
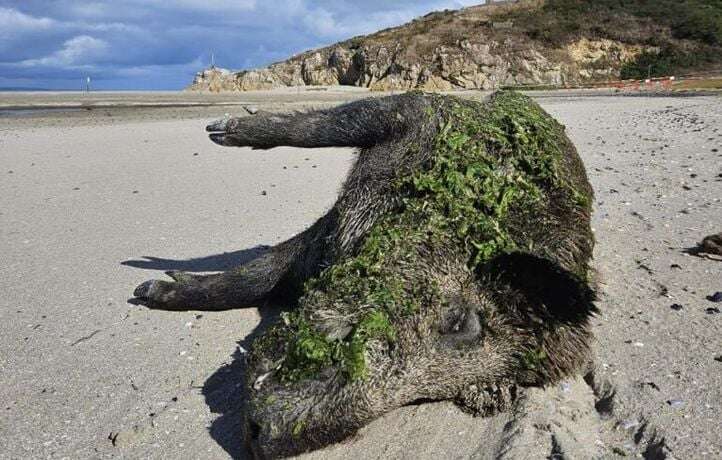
(161, 44)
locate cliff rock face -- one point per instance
(214, 79)
(464, 49)
(466, 65)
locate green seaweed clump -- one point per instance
(309, 351)
(533, 359)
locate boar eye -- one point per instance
(461, 326)
(451, 318)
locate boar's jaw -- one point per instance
(283, 419)
(309, 414)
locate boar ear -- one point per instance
(538, 290)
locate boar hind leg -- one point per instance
(359, 124)
(282, 269)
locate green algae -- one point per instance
(484, 164)
(309, 351)
(533, 359)
(297, 429)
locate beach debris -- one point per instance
(85, 337)
(712, 310)
(675, 402)
(641, 265)
(627, 424)
(676, 307)
(126, 437)
(711, 244)
(264, 193)
(718, 358)
(716, 297)
(195, 154)
(663, 291)
(259, 381)
(651, 385)
(252, 109)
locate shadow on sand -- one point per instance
(214, 263)
(225, 389)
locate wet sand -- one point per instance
(92, 202)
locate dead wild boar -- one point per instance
(454, 266)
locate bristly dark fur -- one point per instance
(453, 266)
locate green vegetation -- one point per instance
(297, 429)
(648, 64)
(534, 359)
(485, 163)
(558, 21)
(309, 351)
(666, 62)
(692, 19)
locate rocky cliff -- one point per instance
(480, 47)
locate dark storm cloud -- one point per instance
(160, 44)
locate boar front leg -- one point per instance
(283, 269)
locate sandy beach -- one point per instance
(101, 192)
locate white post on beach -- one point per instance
(87, 84)
(213, 60)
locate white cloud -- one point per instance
(13, 21)
(82, 50)
(106, 27)
(320, 21)
(210, 5)
(149, 71)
